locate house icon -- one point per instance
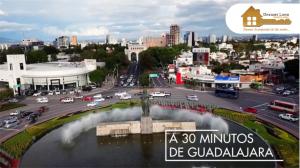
(252, 18)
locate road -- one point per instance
(247, 99)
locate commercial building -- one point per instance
(174, 36)
(150, 41)
(184, 59)
(201, 56)
(212, 38)
(74, 41)
(62, 42)
(44, 76)
(190, 38)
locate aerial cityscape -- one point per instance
(148, 84)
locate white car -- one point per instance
(42, 100)
(192, 98)
(97, 96)
(12, 122)
(120, 93)
(92, 104)
(99, 99)
(37, 94)
(289, 117)
(125, 97)
(67, 100)
(158, 94)
(131, 84)
(78, 96)
(15, 113)
(51, 93)
(71, 92)
(57, 92)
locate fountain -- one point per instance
(145, 126)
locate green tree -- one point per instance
(144, 79)
(98, 76)
(6, 93)
(49, 50)
(292, 67)
(36, 56)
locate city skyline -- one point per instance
(93, 19)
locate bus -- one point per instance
(283, 106)
(227, 93)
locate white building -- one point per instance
(212, 38)
(186, 59)
(44, 76)
(225, 46)
(111, 39)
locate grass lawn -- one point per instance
(19, 143)
(286, 145)
(8, 106)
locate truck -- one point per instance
(289, 117)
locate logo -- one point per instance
(264, 18)
(253, 18)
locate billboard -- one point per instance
(227, 79)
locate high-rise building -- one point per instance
(212, 38)
(254, 37)
(174, 38)
(155, 41)
(190, 38)
(62, 42)
(224, 38)
(123, 42)
(74, 41)
(111, 39)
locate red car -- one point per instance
(87, 98)
(250, 110)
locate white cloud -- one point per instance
(76, 30)
(13, 26)
(2, 12)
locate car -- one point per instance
(43, 109)
(192, 98)
(87, 88)
(120, 93)
(13, 100)
(63, 92)
(44, 93)
(167, 94)
(67, 100)
(26, 113)
(71, 92)
(97, 96)
(99, 99)
(131, 84)
(279, 88)
(57, 92)
(286, 93)
(87, 98)
(51, 93)
(158, 94)
(92, 104)
(11, 122)
(269, 84)
(93, 86)
(151, 97)
(108, 97)
(2, 124)
(15, 113)
(139, 94)
(42, 100)
(37, 94)
(250, 110)
(125, 97)
(33, 117)
(78, 96)
(289, 117)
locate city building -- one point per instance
(150, 41)
(224, 38)
(31, 42)
(123, 42)
(134, 50)
(111, 39)
(174, 36)
(44, 76)
(184, 59)
(201, 56)
(212, 38)
(190, 38)
(62, 42)
(74, 41)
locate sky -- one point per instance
(93, 19)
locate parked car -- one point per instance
(108, 97)
(125, 97)
(78, 96)
(51, 93)
(71, 92)
(97, 96)
(42, 100)
(250, 110)
(120, 93)
(192, 98)
(26, 113)
(63, 92)
(11, 122)
(158, 94)
(87, 98)
(99, 99)
(13, 100)
(92, 104)
(16, 113)
(67, 100)
(289, 117)
(57, 92)
(37, 94)
(286, 93)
